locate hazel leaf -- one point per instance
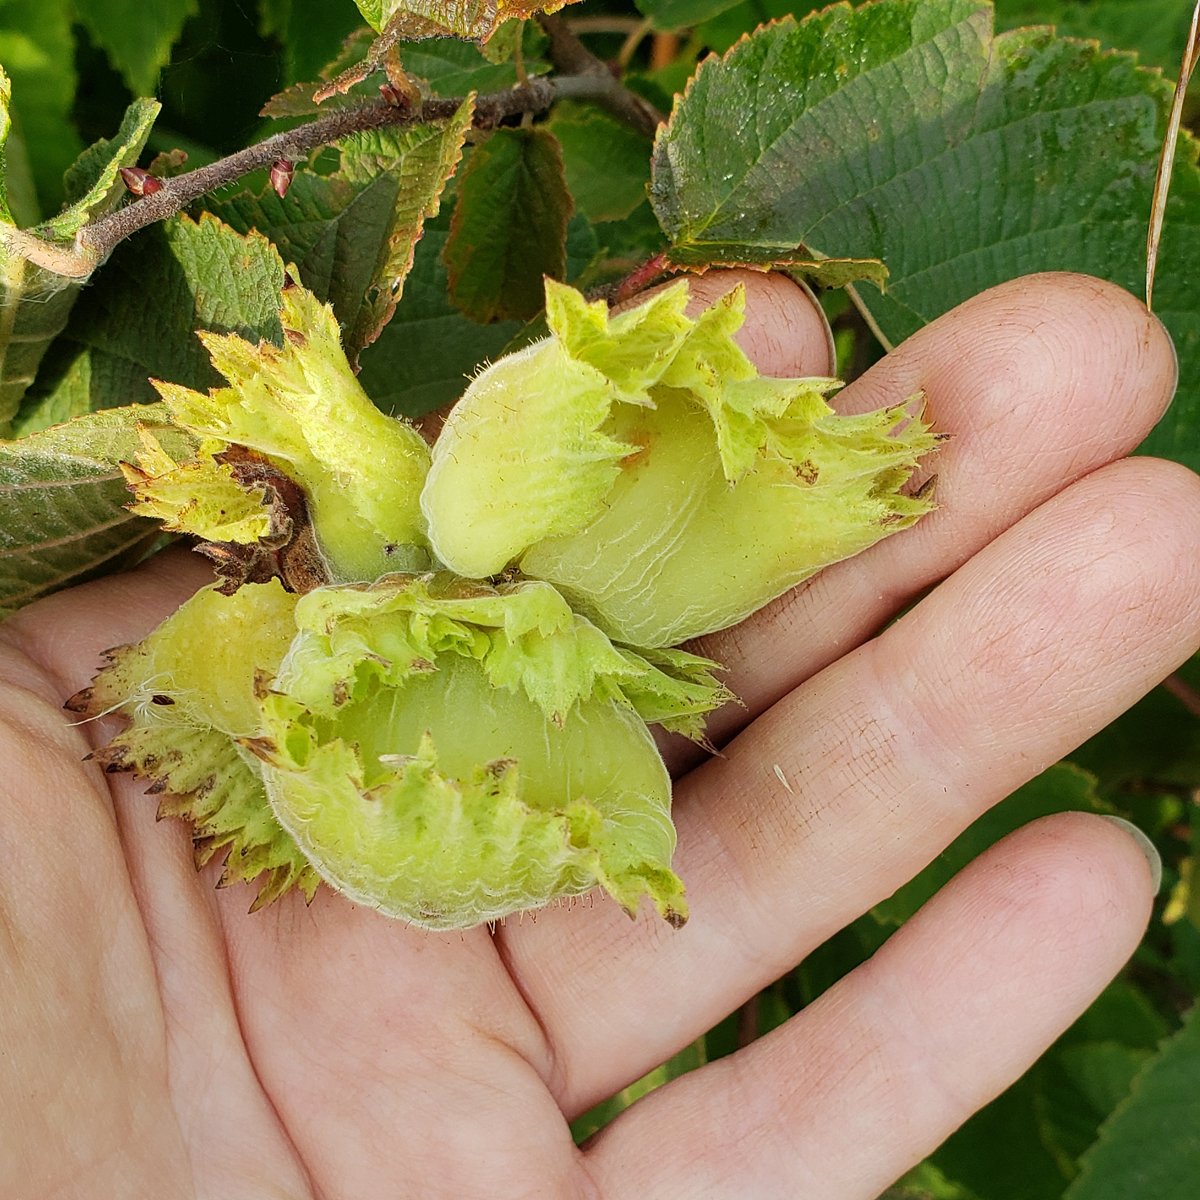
(858, 131)
(64, 499)
(40, 270)
(452, 345)
(475, 20)
(509, 229)
(353, 232)
(138, 40)
(138, 318)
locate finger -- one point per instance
(67, 632)
(785, 332)
(1038, 382)
(172, 962)
(845, 1097)
(852, 783)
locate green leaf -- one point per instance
(1063, 788)
(926, 1182)
(904, 131)
(452, 345)
(473, 19)
(721, 31)
(1156, 742)
(64, 497)
(310, 32)
(607, 163)
(628, 243)
(136, 36)
(824, 272)
(37, 49)
(35, 300)
(1121, 1013)
(679, 14)
(1078, 1086)
(352, 233)
(1153, 28)
(1150, 1146)
(92, 183)
(453, 68)
(510, 225)
(1001, 1152)
(139, 318)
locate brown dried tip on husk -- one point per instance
(187, 691)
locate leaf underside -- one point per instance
(64, 498)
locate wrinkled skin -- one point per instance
(155, 1040)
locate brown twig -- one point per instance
(575, 60)
(747, 1023)
(1166, 163)
(642, 276)
(96, 241)
(1183, 691)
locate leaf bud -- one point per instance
(280, 176)
(140, 182)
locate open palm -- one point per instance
(158, 1041)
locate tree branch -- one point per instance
(578, 63)
(1183, 691)
(587, 78)
(96, 241)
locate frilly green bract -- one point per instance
(300, 406)
(642, 465)
(523, 634)
(199, 496)
(451, 753)
(188, 691)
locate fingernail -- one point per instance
(1144, 844)
(1174, 349)
(830, 342)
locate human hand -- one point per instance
(156, 1040)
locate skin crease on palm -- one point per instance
(156, 1040)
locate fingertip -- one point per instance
(1145, 846)
(1097, 881)
(1081, 357)
(1099, 885)
(1118, 325)
(786, 333)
